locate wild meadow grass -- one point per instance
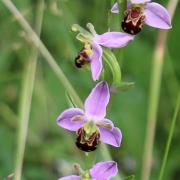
(38, 75)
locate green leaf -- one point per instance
(113, 64)
(70, 101)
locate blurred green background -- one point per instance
(50, 150)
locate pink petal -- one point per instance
(65, 119)
(110, 136)
(157, 16)
(113, 39)
(107, 121)
(104, 170)
(73, 177)
(115, 8)
(96, 61)
(139, 1)
(96, 102)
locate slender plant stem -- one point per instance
(43, 50)
(122, 9)
(172, 127)
(26, 98)
(109, 17)
(158, 60)
(116, 72)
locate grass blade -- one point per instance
(169, 140)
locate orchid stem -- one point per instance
(26, 98)
(158, 60)
(122, 9)
(109, 19)
(169, 140)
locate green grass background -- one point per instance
(50, 150)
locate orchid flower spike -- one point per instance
(92, 51)
(100, 171)
(140, 12)
(90, 124)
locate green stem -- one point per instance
(156, 75)
(172, 127)
(26, 98)
(43, 50)
(109, 16)
(122, 9)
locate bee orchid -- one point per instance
(100, 171)
(92, 51)
(90, 123)
(140, 12)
